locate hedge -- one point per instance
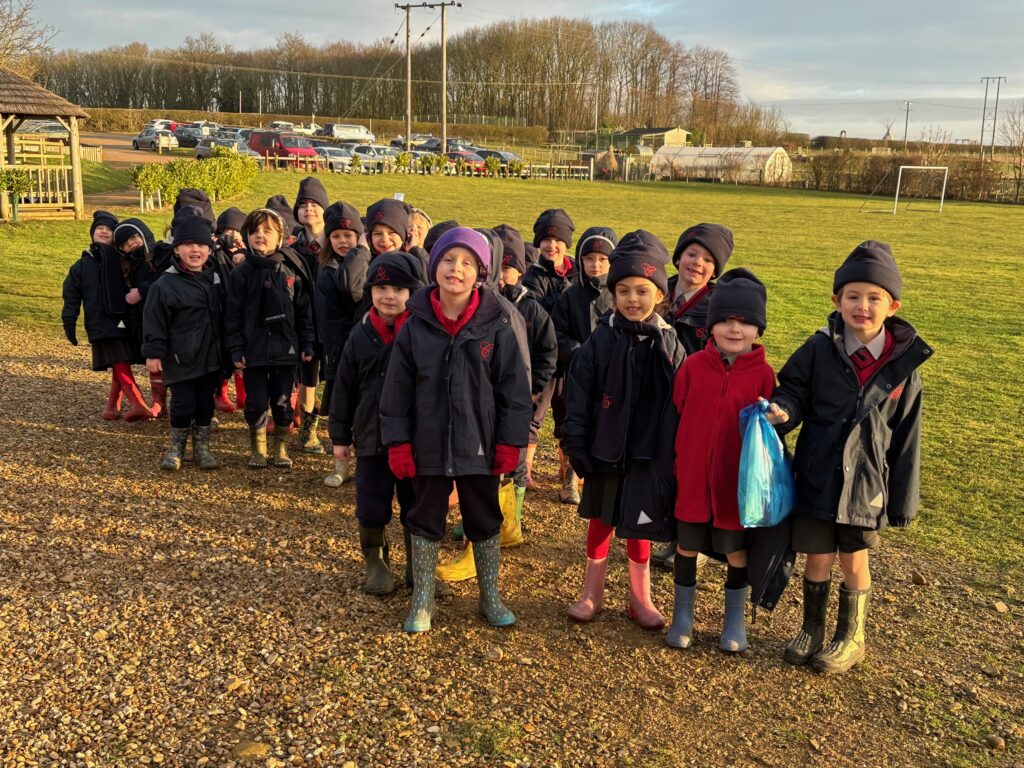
(131, 120)
(224, 175)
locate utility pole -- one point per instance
(906, 123)
(984, 115)
(995, 119)
(408, 73)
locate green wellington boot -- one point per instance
(201, 448)
(487, 555)
(281, 448)
(257, 448)
(424, 562)
(176, 452)
(441, 590)
(847, 646)
(812, 634)
(378, 578)
(308, 437)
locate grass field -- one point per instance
(962, 274)
(98, 177)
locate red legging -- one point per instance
(123, 373)
(599, 539)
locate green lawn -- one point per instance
(98, 177)
(962, 274)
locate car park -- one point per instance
(349, 132)
(187, 136)
(503, 157)
(51, 129)
(337, 159)
(204, 148)
(152, 138)
(281, 125)
(307, 129)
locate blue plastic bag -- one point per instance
(767, 491)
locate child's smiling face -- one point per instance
(264, 239)
(552, 249)
(389, 300)
(193, 256)
(734, 336)
(864, 308)
(311, 215)
(385, 239)
(509, 276)
(595, 264)
(343, 241)
(457, 272)
(133, 242)
(103, 234)
(636, 298)
(696, 267)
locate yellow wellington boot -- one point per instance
(461, 568)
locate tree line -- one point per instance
(560, 73)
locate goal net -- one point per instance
(915, 183)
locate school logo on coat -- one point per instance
(701, 333)
(486, 348)
(382, 274)
(291, 281)
(606, 401)
(648, 269)
(896, 393)
(643, 519)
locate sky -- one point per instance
(829, 66)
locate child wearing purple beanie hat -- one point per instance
(455, 410)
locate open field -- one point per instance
(128, 598)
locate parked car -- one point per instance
(454, 145)
(337, 159)
(274, 144)
(152, 138)
(281, 125)
(187, 136)
(347, 132)
(472, 159)
(417, 140)
(204, 148)
(307, 129)
(232, 132)
(503, 157)
(51, 129)
(162, 123)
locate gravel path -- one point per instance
(216, 619)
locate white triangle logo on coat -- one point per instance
(216, 279)
(291, 350)
(120, 324)
(877, 501)
(481, 451)
(643, 519)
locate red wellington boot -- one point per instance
(139, 410)
(113, 410)
(222, 402)
(159, 392)
(239, 392)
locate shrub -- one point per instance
(225, 174)
(493, 165)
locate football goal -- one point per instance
(922, 183)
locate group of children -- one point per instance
(443, 347)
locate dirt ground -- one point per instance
(118, 152)
(216, 619)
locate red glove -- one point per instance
(506, 459)
(401, 461)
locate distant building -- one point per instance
(738, 165)
(651, 137)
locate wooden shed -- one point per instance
(736, 165)
(652, 137)
(53, 165)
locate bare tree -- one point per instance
(1011, 131)
(23, 40)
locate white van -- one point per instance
(347, 132)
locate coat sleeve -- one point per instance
(304, 314)
(398, 400)
(904, 455)
(560, 317)
(794, 390)
(681, 387)
(72, 295)
(234, 313)
(543, 350)
(155, 324)
(510, 380)
(352, 273)
(580, 386)
(330, 315)
(345, 396)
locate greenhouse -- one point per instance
(735, 165)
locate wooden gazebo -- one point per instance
(56, 191)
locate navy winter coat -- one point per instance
(182, 323)
(83, 290)
(691, 326)
(545, 285)
(339, 295)
(576, 313)
(857, 458)
(456, 398)
(540, 336)
(247, 336)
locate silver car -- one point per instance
(337, 159)
(152, 138)
(204, 148)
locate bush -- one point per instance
(493, 165)
(225, 174)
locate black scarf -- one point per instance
(112, 272)
(272, 308)
(627, 425)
